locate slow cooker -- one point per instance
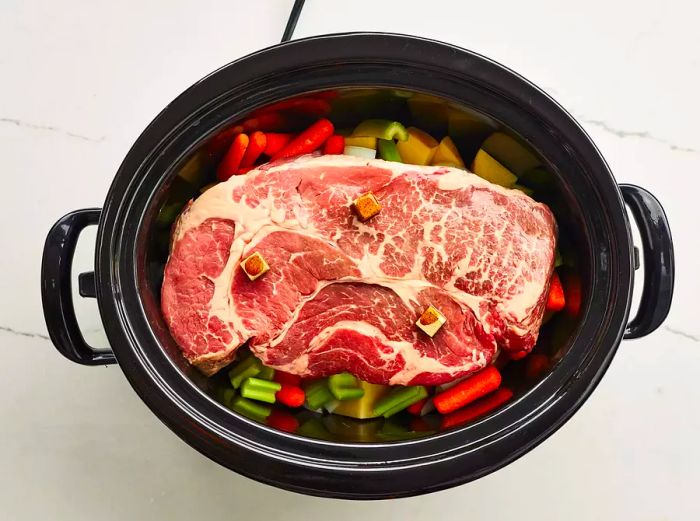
(164, 168)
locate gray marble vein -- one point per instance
(50, 128)
(643, 134)
(684, 334)
(28, 334)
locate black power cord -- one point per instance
(292, 21)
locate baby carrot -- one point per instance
(477, 409)
(276, 142)
(572, 286)
(308, 141)
(555, 298)
(308, 105)
(267, 121)
(334, 145)
(473, 388)
(256, 146)
(291, 395)
(417, 407)
(232, 160)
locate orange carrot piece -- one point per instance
(256, 147)
(555, 298)
(276, 142)
(267, 121)
(572, 288)
(308, 141)
(477, 409)
(417, 407)
(232, 160)
(334, 145)
(473, 388)
(307, 106)
(291, 395)
(518, 355)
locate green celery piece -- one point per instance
(259, 395)
(266, 373)
(263, 385)
(344, 386)
(382, 129)
(249, 409)
(420, 394)
(348, 393)
(318, 394)
(260, 390)
(388, 150)
(248, 367)
(227, 395)
(399, 399)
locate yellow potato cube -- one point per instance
(510, 153)
(362, 407)
(447, 153)
(418, 149)
(488, 168)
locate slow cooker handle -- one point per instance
(56, 290)
(657, 247)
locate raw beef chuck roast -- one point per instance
(344, 295)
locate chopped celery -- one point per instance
(382, 129)
(388, 150)
(260, 390)
(250, 409)
(225, 395)
(344, 386)
(399, 399)
(248, 367)
(317, 394)
(266, 373)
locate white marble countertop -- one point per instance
(81, 80)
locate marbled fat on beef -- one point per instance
(343, 295)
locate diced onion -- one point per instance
(365, 153)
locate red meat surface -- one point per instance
(343, 295)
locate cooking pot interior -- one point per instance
(346, 107)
